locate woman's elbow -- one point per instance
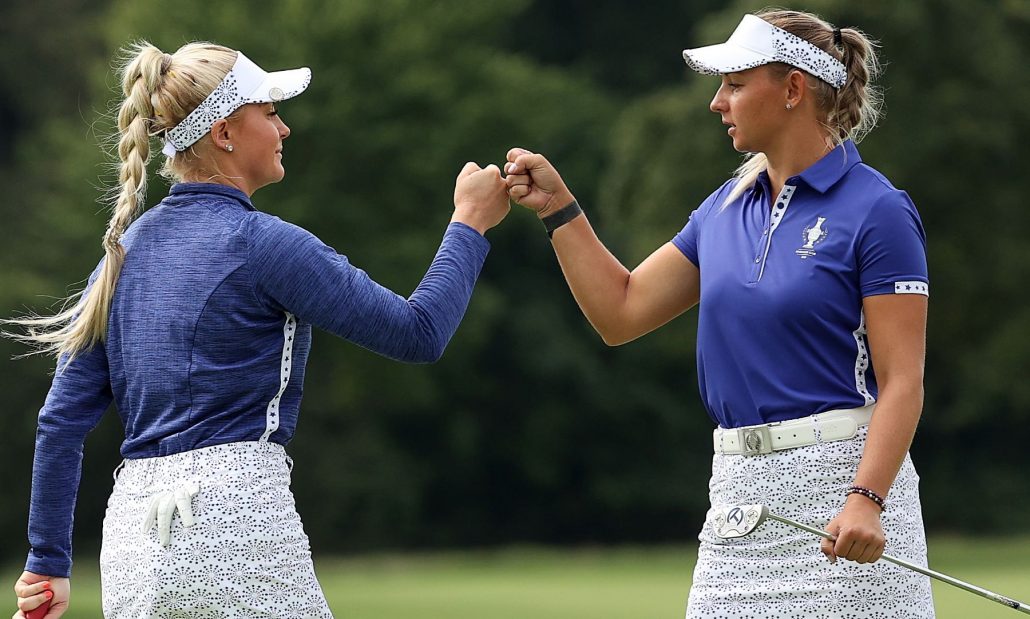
(615, 330)
(434, 353)
(428, 350)
(909, 383)
(613, 337)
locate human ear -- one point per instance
(220, 133)
(796, 85)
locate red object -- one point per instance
(38, 612)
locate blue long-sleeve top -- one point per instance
(208, 336)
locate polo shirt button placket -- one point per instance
(778, 210)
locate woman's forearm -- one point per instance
(890, 433)
(598, 281)
(621, 305)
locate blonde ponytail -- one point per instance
(156, 99)
(852, 111)
(858, 106)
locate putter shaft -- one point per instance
(990, 595)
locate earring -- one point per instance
(228, 147)
(789, 107)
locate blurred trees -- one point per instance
(530, 428)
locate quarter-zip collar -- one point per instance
(179, 189)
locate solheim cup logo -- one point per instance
(812, 235)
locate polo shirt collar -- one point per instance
(824, 173)
(181, 189)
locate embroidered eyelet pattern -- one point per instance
(246, 556)
(222, 101)
(799, 53)
(778, 571)
(707, 69)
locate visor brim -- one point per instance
(281, 85)
(723, 58)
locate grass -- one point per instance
(603, 583)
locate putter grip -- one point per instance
(38, 612)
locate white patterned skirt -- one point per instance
(246, 554)
(778, 571)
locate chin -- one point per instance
(743, 147)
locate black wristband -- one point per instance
(561, 217)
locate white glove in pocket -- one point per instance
(163, 506)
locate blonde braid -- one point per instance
(83, 324)
(140, 80)
(160, 90)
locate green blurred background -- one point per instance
(530, 430)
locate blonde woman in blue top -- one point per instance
(809, 270)
(197, 325)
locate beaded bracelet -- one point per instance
(869, 494)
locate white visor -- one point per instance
(244, 83)
(756, 42)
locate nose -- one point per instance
(284, 131)
(718, 104)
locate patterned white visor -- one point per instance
(244, 83)
(756, 42)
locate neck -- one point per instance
(229, 180)
(795, 155)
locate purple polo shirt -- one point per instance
(781, 331)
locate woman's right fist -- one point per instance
(480, 197)
(534, 183)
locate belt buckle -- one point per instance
(754, 441)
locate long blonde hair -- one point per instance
(852, 111)
(160, 90)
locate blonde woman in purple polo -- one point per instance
(197, 325)
(809, 269)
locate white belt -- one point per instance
(820, 428)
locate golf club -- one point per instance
(738, 521)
